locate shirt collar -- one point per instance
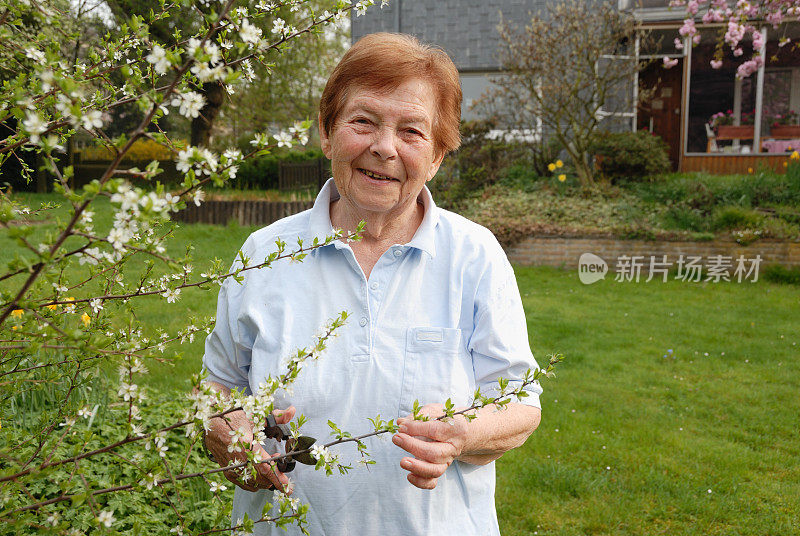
(319, 224)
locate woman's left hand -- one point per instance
(434, 445)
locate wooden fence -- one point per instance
(301, 175)
(246, 213)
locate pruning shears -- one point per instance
(281, 432)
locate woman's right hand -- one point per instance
(220, 437)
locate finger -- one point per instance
(268, 475)
(436, 430)
(283, 416)
(422, 483)
(433, 452)
(422, 468)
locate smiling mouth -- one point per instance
(376, 176)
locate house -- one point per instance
(710, 119)
(465, 29)
(689, 95)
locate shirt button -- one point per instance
(397, 253)
(374, 285)
(363, 321)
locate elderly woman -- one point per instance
(434, 313)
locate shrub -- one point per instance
(733, 217)
(630, 155)
(143, 149)
(780, 274)
(479, 162)
(686, 218)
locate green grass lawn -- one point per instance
(631, 443)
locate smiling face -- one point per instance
(382, 149)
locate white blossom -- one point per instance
(237, 436)
(284, 139)
(106, 518)
(151, 481)
(69, 421)
(249, 33)
(128, 391)
(260, 140)
(35, 55)
(158, 57)
(34, 126)
(118, 237)
(86, 413)
(301, 132)
(48, 80)
(92, 119)
(190, 103)
(96, 305)
(361, 7)
(320, 453)
(265, 6)
(216, 486)
(278, 26)
(171, 294)
(247, 69)
(192, 46)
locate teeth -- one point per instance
(374, 175)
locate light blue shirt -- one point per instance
(438, 317)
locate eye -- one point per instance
(361, 121)
(414, 132)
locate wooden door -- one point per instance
(661, 114)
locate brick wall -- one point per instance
(565, 252)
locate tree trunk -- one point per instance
(583, 166)
(203, 123)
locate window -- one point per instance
(723, 110)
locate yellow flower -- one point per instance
(15, 328)
(749, 170)
(69, 299)
(795, 155)
(559, 163)
(86, 319)
(53, 306)
(562, 177)
(16, 313)
(786, 164)
(551, 167)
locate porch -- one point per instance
(714, 121)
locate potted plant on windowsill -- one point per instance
(723, 125)
(785, 125)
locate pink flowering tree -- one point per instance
(743, 18)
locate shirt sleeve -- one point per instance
(499, 342)
(228, 348)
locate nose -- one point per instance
(383, 145)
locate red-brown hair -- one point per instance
(383, 61)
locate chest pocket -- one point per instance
(437, 367)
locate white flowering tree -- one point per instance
(83, 448)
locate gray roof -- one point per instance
(465, 29)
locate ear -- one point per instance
(437, 161)
(324, 140)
